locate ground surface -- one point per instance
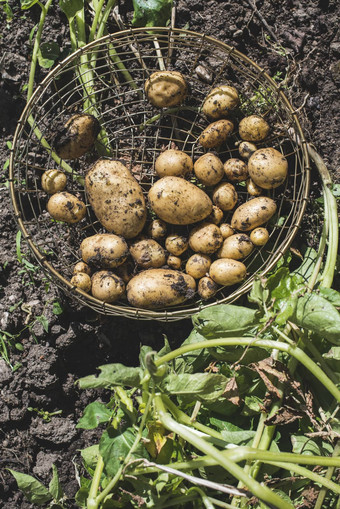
(77, 340)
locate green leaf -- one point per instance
(195, 360)
(90, 455)
(282, 286)
(27, 4)
(259, 293)
(244, 437)
(55, 487)
(34, 491)
(71, 7)
(44, 322)
(305, 445)
(94, 414)
(151, 13)
(202, 386)
(82, 496)
(48, 53)
(316, 314)
(307, 266)
(252, 405)
(57, 308)
(112, 375)
(224, 320)
(331, 295)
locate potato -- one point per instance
(198, 265)
(253, 213)
(104, 250)
(66, 207)
(174, 262)
(159, 288)
(253, 128)
(216, 133)
(82, 281)
(209, 169)
(176, 244)
(259, 236)
(227, 272)
(77, 136)
(253, 189)
(116, 198)
(106, 286)
(53, 181)
(246, 149)
(82, 267)
(173, 163)
(126, 271)
(148, 253)
(220, 101)
(235, 170)
(236, 247)
(207, 288)
(177, 201)
(216, 215)
(205, 238)
(226, 230)
(225, 196)
(157, 229)
(268, 168)
(166, 88)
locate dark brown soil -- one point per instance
(78, 340)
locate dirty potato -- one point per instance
(176, 244)
(53, 181)
(82, 267)
(148, 253)
(174, 262)
(205, 238)
(253, 213)
(220, 102)
(253, 128)
(236, 247)
(82, 281)
(77, 136)
(66, 207)
(268, 168)
(246, 149)
(173, 163)
(225, 196)
(253, 189)
(216, 215)
(157, 229)
(227, 272)
(209, 169)
(207, 288)
(198, 265)
(166, 88)
(107, 286)
(236, 170)
(216, 133)
(104, 250)
(259, 237)
(226, 230)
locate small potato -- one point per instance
(225, 196)
(227, 272)
(226, 230)
(268, 168)
(82, 281)
(253, 189)
(160, 288)
(246, 149)
(157, 229)
(166, 88)
(209, 169)
(126, 271)
(253, 213)
(259, 236)
(66, 207)
(82, 267)
(104, 250)
(236, 170)
(174, 262)
(236, 247)
(77, 136)
(198, 265)
(148, 253)
(253, 128)
(173, 163)
(220, 101)
(176, 244)
(216, 133)
(205, 238)
(207, 288)
(106, 286)
(216, 215)
(53, 181)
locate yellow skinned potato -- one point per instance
(157, 229)
(166, 88)
(216, 133)
(259, 236)
(82, 281)
(176, 244)
(198, 265)
(236, 170)
(107, 286)
(246, 149)
(177, 201)
(173, 163)
(209, 169)
(226, 230)
(236, 247)
(225, 196)
(220, 101)
(148, 253)
(174, 262)
(66, 207)
(53, 181)
(82, 267)
(227, 272)
(268, 168)
(253, 128)
(126, 271)
(160, 288)
(253, 213)
(104, 250)
(253, 189)
(207, 288)
(216, 215)
(77, 136)
(116, 198)
(205, 238)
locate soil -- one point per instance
(51, 350)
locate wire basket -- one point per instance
(106, 78)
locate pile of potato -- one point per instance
(185, 246)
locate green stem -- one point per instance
(98, 12)
(91, 500)
(329, 475)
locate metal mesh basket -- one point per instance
(106, 78)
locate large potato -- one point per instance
(104, 250)
(268, 168)
(107, 286)
(227, 272)
(205, 238)
(253, 128)
(216, 133)
(53, 181)
(66, 207)
(253, 213)
(166, 88)
(77, 136)
(173, 163)
(209, 169)
(177, 201)
(159, 288)
(225, 196)
(236, 247)
(220, 101)
(148, 253)
(116, 198)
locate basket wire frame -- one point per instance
(136, 133)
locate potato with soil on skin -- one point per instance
(236, 247)
(66, 207)
(148, 253)
(253, 189)
(177, 201)
(82, 281)
(104, 250)
(77, 136)
(226, 230)
(216, 133)
(53, 181)
(220, 102)
(160, 288)
(166, 88)
(236, 170)
(126, 271)
(176, 244)
(198, 265)
(225, 196)
(82, 267)
(268, 168)
(253, 128)
(259, 237)
(107, 286)
(227, 272)
(209, 169)
(157, 229)
(205, 238)
(174, 262)
(246, 149)
(207, 288)
(253, 213)
(173, 163)
(216, 215)
(116, 198)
